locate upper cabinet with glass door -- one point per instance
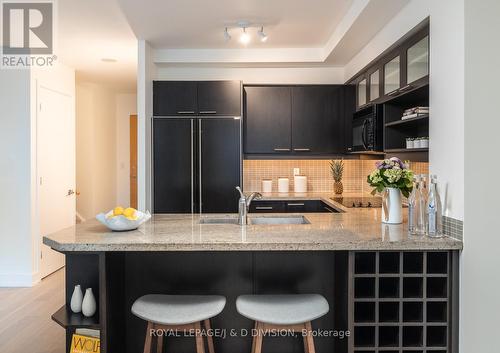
(417, 60)
(361, 93)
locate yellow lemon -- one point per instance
(130, 213)
(117, 211)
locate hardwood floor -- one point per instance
(25, 323)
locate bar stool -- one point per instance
(282, 312)
(178, 312)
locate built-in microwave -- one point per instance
(367, 130)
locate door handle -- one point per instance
(363, 133)
(263, 207)
(282, 149)
(185, 112)
(296, 204)
(208, 112)
(302, 149)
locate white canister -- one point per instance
(300, 183)
(409, 143)
(267, 186)
(424, 143)
(283, 185)
(417, 143)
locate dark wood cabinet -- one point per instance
(290, 206)
(317, 119)
(267, 119)
(171, 98)
(190, 98)
(221, 98)
(299, 121)
(402, 68)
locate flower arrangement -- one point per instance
(391, 173)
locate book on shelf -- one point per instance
(85, 341)
(414, 115)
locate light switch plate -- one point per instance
(296, 171)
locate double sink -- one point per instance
(256, 220)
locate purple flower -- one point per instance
(398, 161)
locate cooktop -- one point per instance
(363, 202)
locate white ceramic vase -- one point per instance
(392, 206)
(88, 304)
(76, 299)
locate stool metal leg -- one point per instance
(200, 346)
(147, 341)
(210, 339)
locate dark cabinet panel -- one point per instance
(219, 164)
(295, 206)
(172, 156)
(267, 119)
(219, 98)
(317, 119)
(172, 98)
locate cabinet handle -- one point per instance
(208, 112)
(185, 112)
(301, 149)
(282, 149)
(393, 93)
(405, 88)
(295, 204)
(263, 207)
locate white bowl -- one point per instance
(122, 223)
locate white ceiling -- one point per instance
(190, 32)
(89, 30)
(199, 24)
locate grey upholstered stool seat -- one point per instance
(178, 312)
(285, 309)
(178, 309)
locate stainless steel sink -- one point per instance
(219, 220)
(279, 220)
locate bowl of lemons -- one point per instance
(121, 219)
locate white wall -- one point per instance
(15, 179)
(126, 105)
(446, 88)
(19, 231)
(264, 75)
(480, 288)
(146, 73)
(95, 148)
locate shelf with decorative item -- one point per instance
(68, 319)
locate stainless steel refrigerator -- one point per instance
(196, 164)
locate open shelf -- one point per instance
(68, 319)
(406, 150)
(408, 121)
(401, 301)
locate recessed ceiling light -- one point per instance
(109, 60)
(262, 35)
(245, 37)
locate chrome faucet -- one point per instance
(244, 205)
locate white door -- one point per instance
(56, 170)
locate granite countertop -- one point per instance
(354, 229)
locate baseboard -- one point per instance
(19, 279)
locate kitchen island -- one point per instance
(391, 291)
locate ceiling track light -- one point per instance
(227, 36)
(245, 37)
(262, 35)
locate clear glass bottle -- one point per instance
(420, 208)
(434, 212)
(412, 215)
